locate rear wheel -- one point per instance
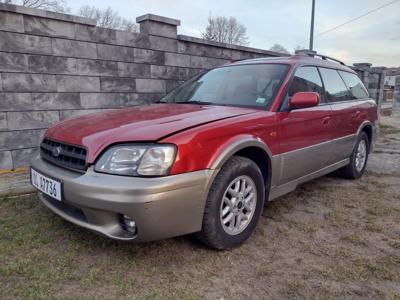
(358, 159)
(234, 204)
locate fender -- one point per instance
(237, 143)
(374, 133)
(233, 145)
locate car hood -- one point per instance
(141, 123)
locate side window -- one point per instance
(306, 79)
(356, 87)
(335, 88)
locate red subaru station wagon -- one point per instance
(208, 155)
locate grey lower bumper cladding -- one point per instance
(161, 207)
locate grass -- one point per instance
(40, 253)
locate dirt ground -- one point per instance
(331, 238)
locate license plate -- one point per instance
(46, 185)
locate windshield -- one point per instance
(243, 85)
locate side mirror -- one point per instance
(304, 100)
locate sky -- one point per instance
(374, 38)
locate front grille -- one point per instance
(64, 155)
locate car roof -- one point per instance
(298, 59)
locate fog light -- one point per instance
(129, 224)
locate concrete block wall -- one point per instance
(373, 79)
(396, 103)
(54, 66)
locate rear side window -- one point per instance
(335, 88)
(356, 88)
(306, 79)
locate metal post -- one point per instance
(312, 25)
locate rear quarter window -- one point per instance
(356, 87)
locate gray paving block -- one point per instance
(132, 39)
(164, 72)
(159, 29)
(52, 64)
(244, 49)
(13, 62)
(31, 119)
(95, 34)
(3, 121)
(206, 62)
(5, 160)
(59, 101)
(115, 53)
(72, 48)
(108, 100)
(11, 22)
(23, 157)
(149, 97)
(22, 43)
(56, 28)
(110, 84)
(133, 70)
(199, 50)
(16, 82)
(176, 59)
(149, 56)
(150, 86)
(15, 101)
(11, 140)
(97, 67)
(38, 101)
(67, 83)
(158, 19)
(163, 44)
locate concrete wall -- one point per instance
(396, 103)
(54, 66)
(373, 79)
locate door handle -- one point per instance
(326, 121)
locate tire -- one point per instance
(352, 170)
(213, 233)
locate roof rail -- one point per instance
(312, 53)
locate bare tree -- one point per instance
(53, 5)
(279, 48)
(107, 18)
(225, 30)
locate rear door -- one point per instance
(347, 112)
(305, 134)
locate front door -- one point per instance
(305, 134)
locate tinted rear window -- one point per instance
(335, 88)
(356, 87)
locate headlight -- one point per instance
(137, 160)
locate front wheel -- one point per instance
(358, 159)
(234, 204)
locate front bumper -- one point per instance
(161, 207)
